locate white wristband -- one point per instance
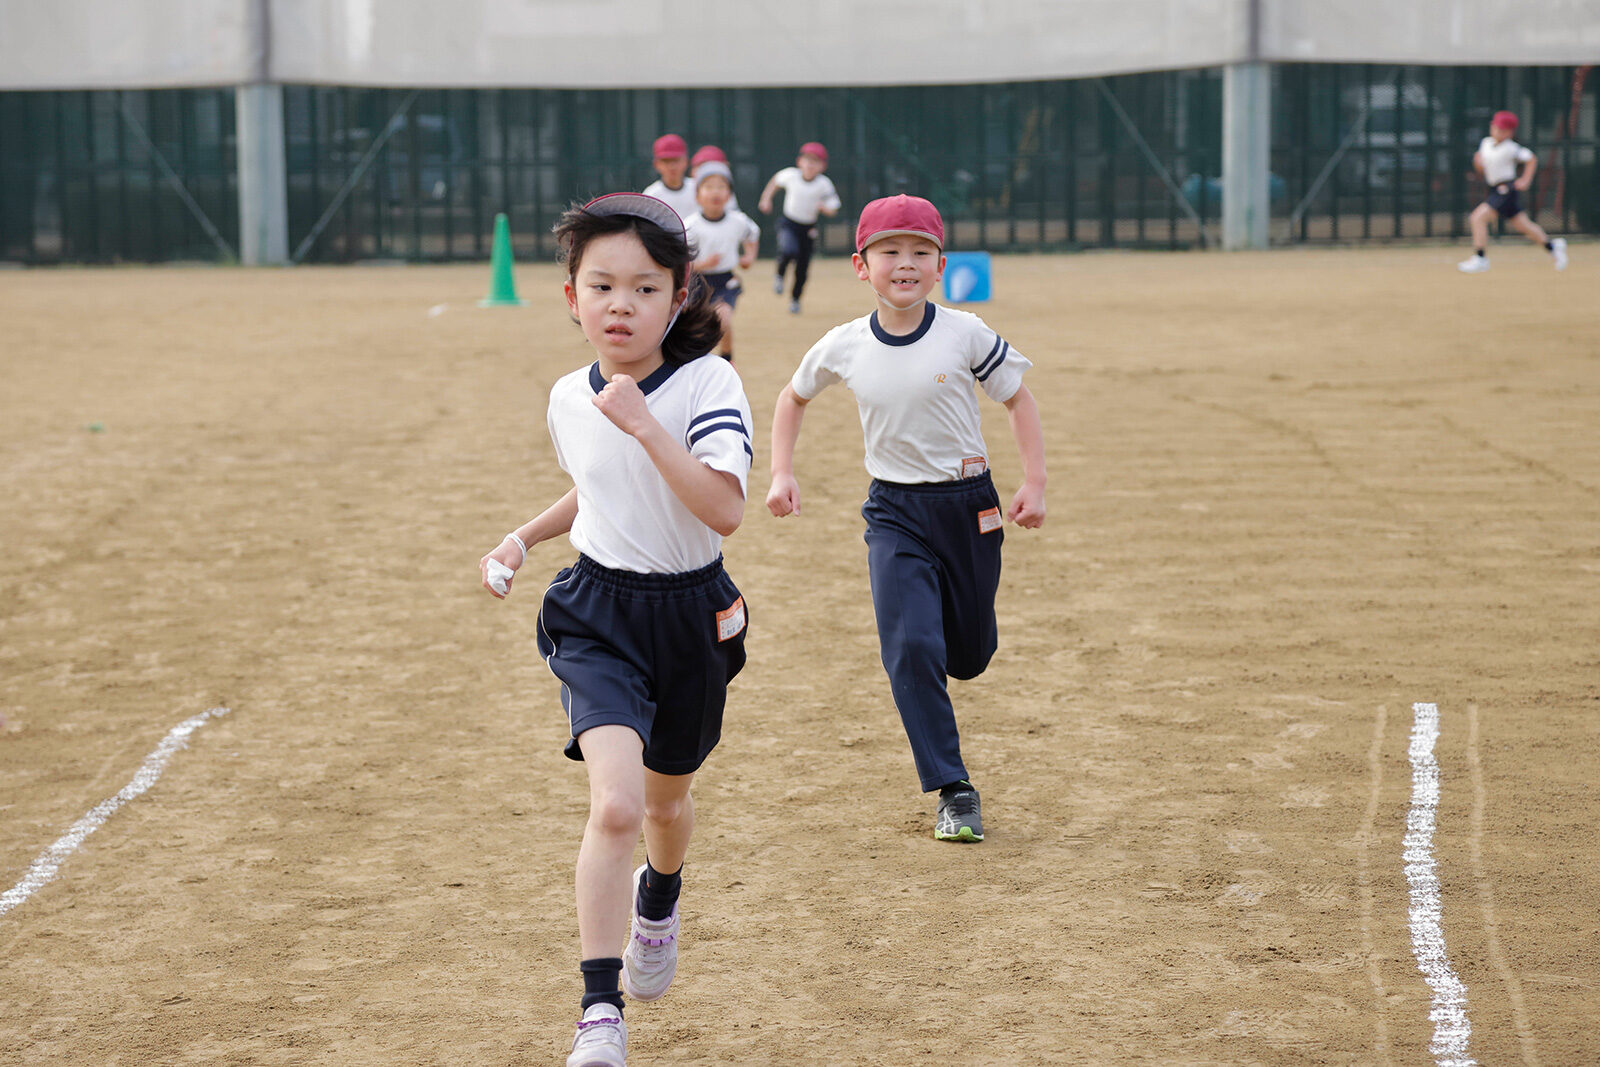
(513, 537)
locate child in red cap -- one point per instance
(1497, 159)
(807, 193)
(710, 153)
(670, 158)
(933, 515)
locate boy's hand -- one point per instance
(623, 403)
(1027, 507)
(746, 261)
(1523, 183)
(765, 204)
(784, 496)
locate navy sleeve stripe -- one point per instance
(714, 427)
(719, 413)
(979, 369)
(983, 376)
(749, 451)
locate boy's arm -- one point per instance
(784, 496)
(1529, 169)
(1027, 507)
(1477, 162)
(553, 521)
(747, 253)
(712, 496)
(765, 203)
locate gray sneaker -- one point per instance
(959, 818)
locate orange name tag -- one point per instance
(989, 521)
(730, 623)
(973, 466)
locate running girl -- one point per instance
(645, 630)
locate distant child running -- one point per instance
(722, 238)
(1497, 159)
(807, 193)
(933, 516)
(710, 153)
(645, 630)
(670, 158)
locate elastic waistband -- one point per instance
(951, 488)
(715, 276)
(616, 581)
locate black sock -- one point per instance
(965, 783)
(602, 981)
(1549, 246)
(658, 893)
(1478, 253)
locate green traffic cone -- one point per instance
(502, 286)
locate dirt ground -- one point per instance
(1292, 494)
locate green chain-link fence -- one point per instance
(1359, 152)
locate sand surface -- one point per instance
(1292, 495)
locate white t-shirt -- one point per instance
(803, 200)
(919, 411)
(680, 200)
(721, 238)
(628, 517)
(1500, 160)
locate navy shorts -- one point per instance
(653, 652)
(725, 287)
(1504, 199)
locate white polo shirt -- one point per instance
(803, 200)
(1500, 160)
(628, 517)
(919, 410)
(680, 200)
(721, 238)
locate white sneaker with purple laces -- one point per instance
(651, 958)
(602, 1039)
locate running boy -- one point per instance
(933, 516)
(670, 158)
(722, 238)
(1497, 159)
(807, 193)
(645, 630)
(710, 153)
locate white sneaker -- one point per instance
(1473, 265)
(651, 958)
(1558, 249)
(777, 284)
(602, 1039)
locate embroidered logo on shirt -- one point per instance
(730, 623)
(988, 522)
(973, 466)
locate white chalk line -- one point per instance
(1451, 1028)
(43, 870)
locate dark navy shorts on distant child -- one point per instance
(933, 552)
(725, 287)
(653, 652)
(1504, 199)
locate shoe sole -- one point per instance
(963, 834)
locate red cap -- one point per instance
(669, 146)
(894, 216)
(814, 148)
(1507, 119)
(706, 154)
